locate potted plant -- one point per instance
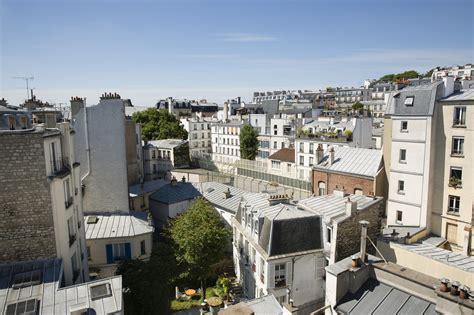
(455, 182)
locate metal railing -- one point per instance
(60, 166)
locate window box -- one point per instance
(455, 182)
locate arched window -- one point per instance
(321, 188)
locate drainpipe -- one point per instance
(88, 150)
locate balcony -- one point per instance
(68, 202)
(60, 167)
(72, 239)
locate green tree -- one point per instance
(358, 106)
(409, 74)
(201, 239)
(149, 285)
(248, 142)
(159, 124)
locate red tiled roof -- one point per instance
(285, 155)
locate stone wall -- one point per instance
(26, 220)
(349, 230)
(340, 181)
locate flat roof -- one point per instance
(166, 143)
(103, 226)
(53, 299)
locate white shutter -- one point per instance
(320, 267)
(271, 276)
(289, 273)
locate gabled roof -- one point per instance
(284, 155)
(103, 226)
(170, 194)
(356, 161)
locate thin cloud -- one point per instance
(211, 56)
(248, 37)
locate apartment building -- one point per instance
(278, 250)
(162, 156)
(41, 197)
(462, 72)
(226, 141)
(133, 147)
(199, 135)
(352, 95)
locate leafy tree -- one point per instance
(201, 239)
(149, 284)
(358, 106)
(248, 142)
(410, 74)
(428, 74)
(159, 124)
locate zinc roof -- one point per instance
(116, 225)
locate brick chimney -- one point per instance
(331, 155)
(319, 153)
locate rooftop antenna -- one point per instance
(27, 85)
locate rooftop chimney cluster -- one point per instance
(110, 96)
(77, 98)
(456, 289)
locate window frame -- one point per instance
(404, 160)
(454, 204)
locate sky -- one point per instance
(219, 49)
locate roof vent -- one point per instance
(92, 219)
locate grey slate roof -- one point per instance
(378, 298)
(425, 97)
(117, 225)
(148, 186)
(170, 194)
(166, 143)
(463, 95)
(214, 193)
(357, 161)
(54, 299)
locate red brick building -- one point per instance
(353, 170)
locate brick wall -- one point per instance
(26, 221)
(339, 181)
(349, 230)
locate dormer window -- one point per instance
(11, 122)
(409, 100)
(24, 122)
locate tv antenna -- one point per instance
(27, 85)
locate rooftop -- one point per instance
(214, 193)
(173, 193)
(146, 187)
(463, 95)
(414, 100)
(166, 143)
(264, 305)
(356, 161)
(45, 293)
(102, 226)
(284, 155)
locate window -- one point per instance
(282, 145)
(27, 279)
(280, 275)
(275, 132)
(24, 122)
(11, 122)
(403, 156)
(458, 146)
(154, 168)
(67, 193)
(399, 216)
(409, 100)
(301, 160)
(71, 231)
(24, 307)
(88, 249)
(404, 126)
(311, 148)
(100, 291)
(358, 191)
(74, 262)
(401, 187)
(119, 251)
(328, 235)
(142, 248)
(275, 145)
(153, 154)
(459, 118)
(453, 204)
(276, 165)
(451, 232)
(455, 176)
(321, 188)
(311, 161)
(301, 147)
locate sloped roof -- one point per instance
(116, 225)
(463, 95)
(357, 161)
(170, 194)
(284, 155)
(166, 143)
(424, 99)
(146, 187)
(214, 193)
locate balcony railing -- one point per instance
(72, 239)
(60, 166)
(68, 202)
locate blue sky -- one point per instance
(146, 50)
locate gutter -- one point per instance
(88, 150)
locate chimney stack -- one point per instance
(331, 155)
(319, 153)
(351, 206)
(174, 182)
(363, 240)
(226, 111)
(448, 86)
(170, 105)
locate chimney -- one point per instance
(319, 153)
(448, 86)
(226, 111)
(351, 207)
(170, 105)
(238, 100)
(227, 194)
(363, 240)
(174, 182)
(331, 155)
(183, 180)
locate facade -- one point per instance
(112, 238)
(133, 142)
(461, 72)
(282, 163)
(377, 108)
(41, 208)
(226, 141)
(352, 95)
(37, 287)
(162, 156)
(278, 250)
(139, 194)
(199, 135)
(353, 170)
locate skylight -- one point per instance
(409, 100)
(26, 279)
(100, 291)
(92, 220)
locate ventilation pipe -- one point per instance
(363, 240)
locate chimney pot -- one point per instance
(455, 288)
(444, 285)
(363, 240)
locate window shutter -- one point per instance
(320, 267)
(110, 253)
(271, 276)
(128, 251)
(289, 273)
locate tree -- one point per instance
(159, 124)
(248, 142)
(410, 74)
(357, 106)
(201, 239)
(148, 285)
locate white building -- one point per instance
(162, 156)
(462, 72)
(226, 141)
(278, 250)
(199, 135)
